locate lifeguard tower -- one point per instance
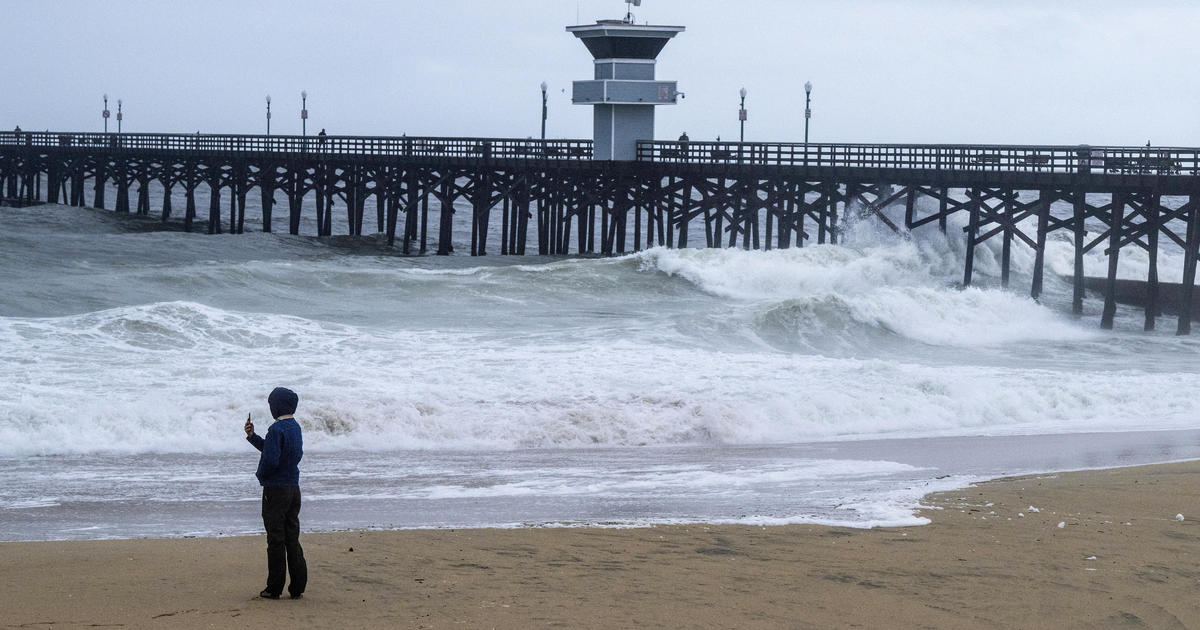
(624, 91)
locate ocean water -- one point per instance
(830, 384)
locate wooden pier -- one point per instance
(749, 195)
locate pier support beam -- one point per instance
(122, 182)
(381, 201)
(77, 185)
(101, 178)
(1153, 202)
(1189, 266)
(189, 214)
(1039, 261)
(971, 230)
(1114, 253)
(166, 203)
(393, 215)
(296, 200)
(53, 180)
(323, 200)
(214, 207)
(1008, 210)
(1079, 216)
(446, 217)
(143, 202)
(266, 186)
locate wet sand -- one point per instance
(1097, 549)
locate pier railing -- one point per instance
(383, 146)
(961, 157)
(1174, 161)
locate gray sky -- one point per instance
(1007, 71)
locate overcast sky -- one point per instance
(1005, 71)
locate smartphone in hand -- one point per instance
(249, 427)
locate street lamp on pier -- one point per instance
(268, 114)
(742, 114)
(304, 113)
(807, 107)
(119, 116)
(544, 110)
(105, 113)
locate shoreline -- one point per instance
(883, 495)
(1098, 548)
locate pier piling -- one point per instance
(748, 195)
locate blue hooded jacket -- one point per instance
(282, 449)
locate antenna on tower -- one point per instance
(629, 11)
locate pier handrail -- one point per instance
(1160, 161)
(963, 157)
(382, 146)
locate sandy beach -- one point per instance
(1096, 549)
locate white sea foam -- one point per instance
(872, 338)
(615, 383)
(618, 483)
(179, 377)
(896, 288)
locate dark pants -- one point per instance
(281, 518)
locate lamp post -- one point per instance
(268, 114)
(119, 116)
(544, 110)
(304, 113)
(742, 114)
(105, 113)
(807, 107)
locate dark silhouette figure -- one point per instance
(279, 474)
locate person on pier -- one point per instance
(279, 475)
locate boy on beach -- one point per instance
(279, 474)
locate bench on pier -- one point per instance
(1036, 160)
(1142, 166)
